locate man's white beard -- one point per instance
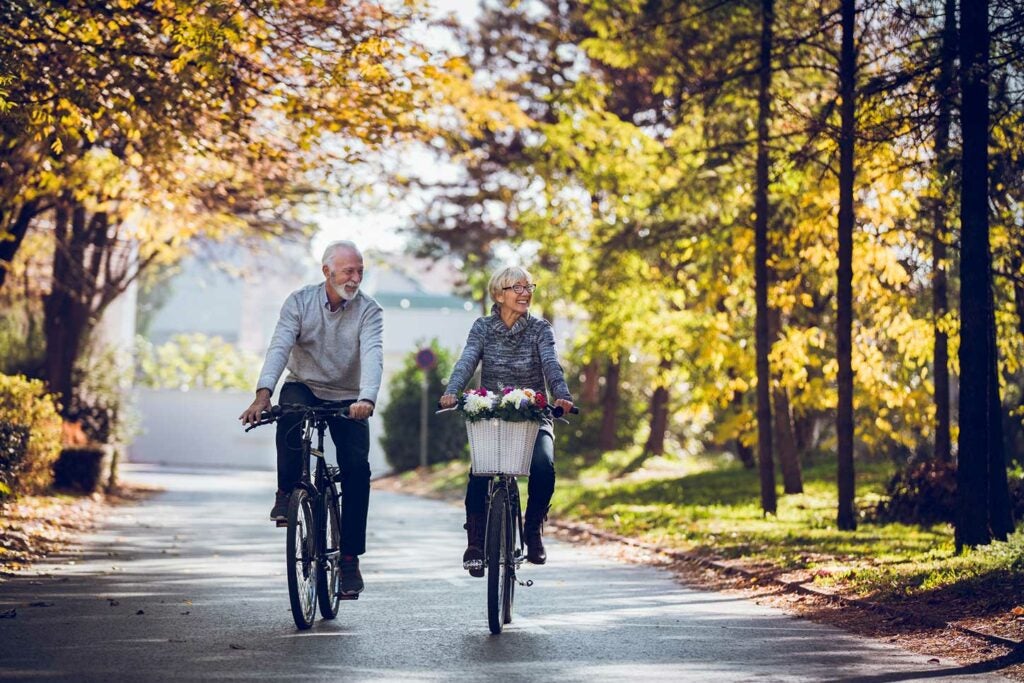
(341, 291)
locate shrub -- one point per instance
(24, 403)
(924, 493)
(13, 448)
(401, 417)
(80, 468)
(100, 404)
(190, 361)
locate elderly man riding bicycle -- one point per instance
(328, 336)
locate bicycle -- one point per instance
(313, 538)
(503, 542)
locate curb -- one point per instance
(801, 587)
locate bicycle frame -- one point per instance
(313, 513)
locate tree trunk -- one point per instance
(659, 417)
(940, 303)
(846, 518)
(746, 455)
(1000, 514)
(65, 308)
(766, 463)
(608, 439)
(981, 471)
(15, 235)
(785, 438)
(590, 391)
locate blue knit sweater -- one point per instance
(521, 356)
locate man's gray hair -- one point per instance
(339, 244)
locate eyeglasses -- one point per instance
(519, 289)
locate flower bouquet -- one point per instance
(502, 428)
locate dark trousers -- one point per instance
(352, 449)
(539, 490)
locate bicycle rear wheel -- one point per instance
(328, 570)
(300, 552)
(497, 565)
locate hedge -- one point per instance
(26, 408)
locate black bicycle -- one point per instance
(503, 543)
(313, 539)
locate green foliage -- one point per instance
(25, 404)
(21, 347)
(195, 361)
(101, 402)
(13, 448)
(580, 439)
(401, 416)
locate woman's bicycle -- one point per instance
(313, 539)
(503, 542)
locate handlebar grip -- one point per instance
(557, 411)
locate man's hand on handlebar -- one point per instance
(260, 404)
(360, 410)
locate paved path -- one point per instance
(189, 585)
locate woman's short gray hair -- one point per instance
(506, 277)
(339, 244)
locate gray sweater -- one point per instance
(337, 354)
(520, 356)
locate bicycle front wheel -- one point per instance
(510, 575)
(300, 553)
(497, 560)
(328, 577)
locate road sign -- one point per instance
(426, 358)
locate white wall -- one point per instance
(201, 429)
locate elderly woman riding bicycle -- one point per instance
(514, 348)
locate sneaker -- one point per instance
(351, 579)
(279, 513)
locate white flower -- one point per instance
(514, 398)
(475, 403)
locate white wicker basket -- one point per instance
(501, 447)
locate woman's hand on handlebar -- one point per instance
(565, 405)
(448, 401)
(254, 412)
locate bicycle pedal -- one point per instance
(281, 522)
(473, 564)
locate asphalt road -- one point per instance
(190, 585)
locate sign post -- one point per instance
(426, 359)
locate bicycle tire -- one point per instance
(510, 579)
(328, 566)
(300, 554)
(497, 567)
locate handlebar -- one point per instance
(322, 411)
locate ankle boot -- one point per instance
(533, 533)
(473, 558)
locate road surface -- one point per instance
(189, 585)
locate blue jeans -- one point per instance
(539, 490)
(352, 450)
